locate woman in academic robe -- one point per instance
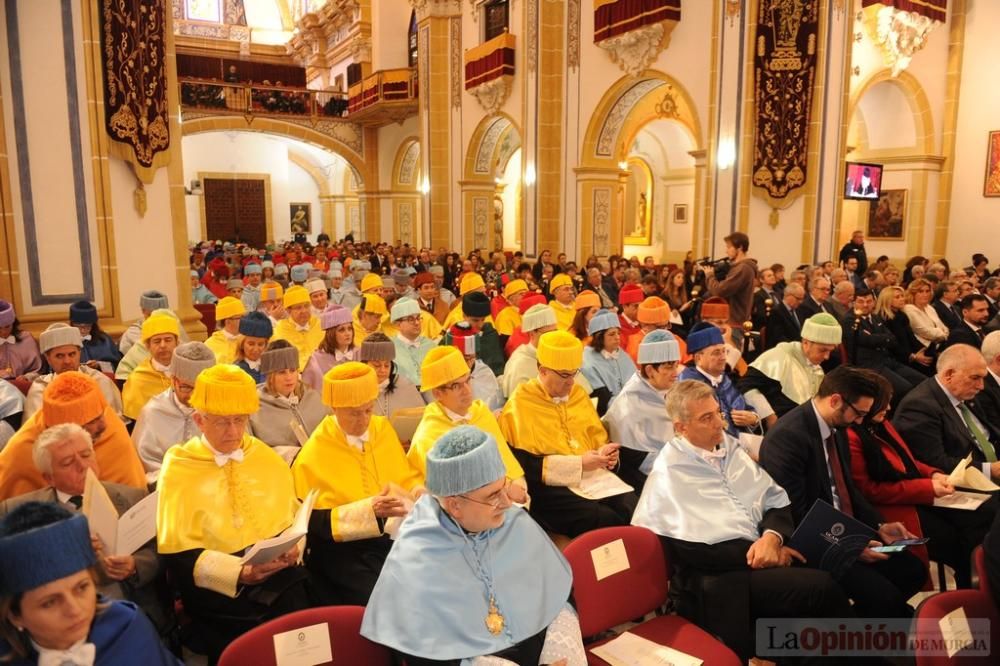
(395, 392)
(97, 345)
(255, 332)
(905, 489)
(605, 364)
(50, 612)
(337, 346)
(289, 410)
(18, 349)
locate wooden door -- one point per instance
(236, 210)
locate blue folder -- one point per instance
(830, 539)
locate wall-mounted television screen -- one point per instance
(864, 181)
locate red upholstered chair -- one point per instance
(348, 646)
(634, 592)
(22, 384)
(977, 606)
(207, 312)
(979, 567)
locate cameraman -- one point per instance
(737, 285)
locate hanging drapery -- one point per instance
(135, 82)
(784, 71)
(935, 10)
(614, 17)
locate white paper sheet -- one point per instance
(609, 559)
(969, 477)
(268, 550)
(955, 631)
(597, 484)
(101, 513)
(137, 526)
(961, 499)
(631, 650)
(305, 646)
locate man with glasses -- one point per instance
(168, 418)
(808, 454)
(445, 373)
(790, 373)
(785, 325)
(815, 302)
(494, 586)
(411, 346)
(557, 436)
(221, 492)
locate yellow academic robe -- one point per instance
(456, 315)
(142, 384)
(565, 314)
(222, 510)
(347, 478)
(435, 423)
(533, 422)
(223, 347)
(507, 320)
(306, 342)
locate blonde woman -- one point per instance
(924, 321)
(909, 350)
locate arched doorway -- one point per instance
(492, 189)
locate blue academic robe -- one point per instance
(257, 377)
(105, 350)
(122, 635)
(726, 393)
(611, 373)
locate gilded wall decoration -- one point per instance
(573, 34)
(406, 222)
(135, 79)
(901, 28)
(634, 32)
(531, 35)
(408, 166)
(602, 221)
(784, 71)
(424, 56)
(481, 214)
(607, 140)
(488, 143)
(456, 62)
(234, 13)
(355, 226)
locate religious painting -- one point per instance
(887, 216)
(680, 213)
(992, 186)
(637, 223)
(300, 217)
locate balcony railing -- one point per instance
(490, 60)
(387, 88)
(251, 99)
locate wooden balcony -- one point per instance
(386, 96)
(250, 99)
(489, 61)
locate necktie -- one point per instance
(981, 439)
(795, 317)
(222, 458)
(76, 500)
(839, 482)
(81, 654)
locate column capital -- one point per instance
(436, 8)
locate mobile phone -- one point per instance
(894, 548)
(911, 542)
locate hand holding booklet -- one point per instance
(969, 478)
(119, 535)
(271, 549)
(829, 539)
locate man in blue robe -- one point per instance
(471, 575)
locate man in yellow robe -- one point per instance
(368, 317)
(301, 328)
(365, 484)
(445, 373)
(220, 493)
(228, 313)
(71, 397)
(509, 317)
(160, 334)
(556, 435)
(563, 301)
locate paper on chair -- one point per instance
(269, 550)
(964, 476)
(305, 646)
(609, 559)
(631, 650)
(955, 631)
(597, 484)
(961, 499)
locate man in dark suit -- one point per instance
(870, 344)
(991, 290)
(807, 453)
(946, 303)
(63, 454)
(784, 325)
(938, 419)
(988, 399)
(815, 302)
(767, 291)
(975, 314)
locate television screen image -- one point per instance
(864, 181)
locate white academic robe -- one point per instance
(162, 422)
(787, 365)
(637, 419)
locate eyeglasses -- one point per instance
(495, 500)
(413, 319)
(861, 414)
(462, 383)
(227, 421)
(570, 374)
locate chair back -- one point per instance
(207, 312)
(348, 647)
(976, 606)
(619, 597)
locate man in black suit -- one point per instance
(991, 290)
(975, 314)
(767, 291)
(946, 303)
(870, 344)
(988, 399)
(784, 325)
(807, 453)
(938, 419)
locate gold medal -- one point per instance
(494, 620)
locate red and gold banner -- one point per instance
(936, 10)
(135, 82)
(489, 60)
(614, 17)
(784, 71)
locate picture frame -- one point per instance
(680, 213)
(991, 183)
(887, 216)
(300, 217)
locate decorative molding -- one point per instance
(424, 56)
(436, 8)
(351, 135)
(635, 51)
(608, 138)
(899, 35)
(487, 145)
(406, 222)
(531, 35)
(456, 62)
(602, 221)
(733, 10)
(481, 221)
(573, 34)
(361, 49)
(492, 94)
(408, 166)
(667, 107)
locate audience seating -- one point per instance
(927, 623)
(348, 646)
(632, 593)
(207, 312)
